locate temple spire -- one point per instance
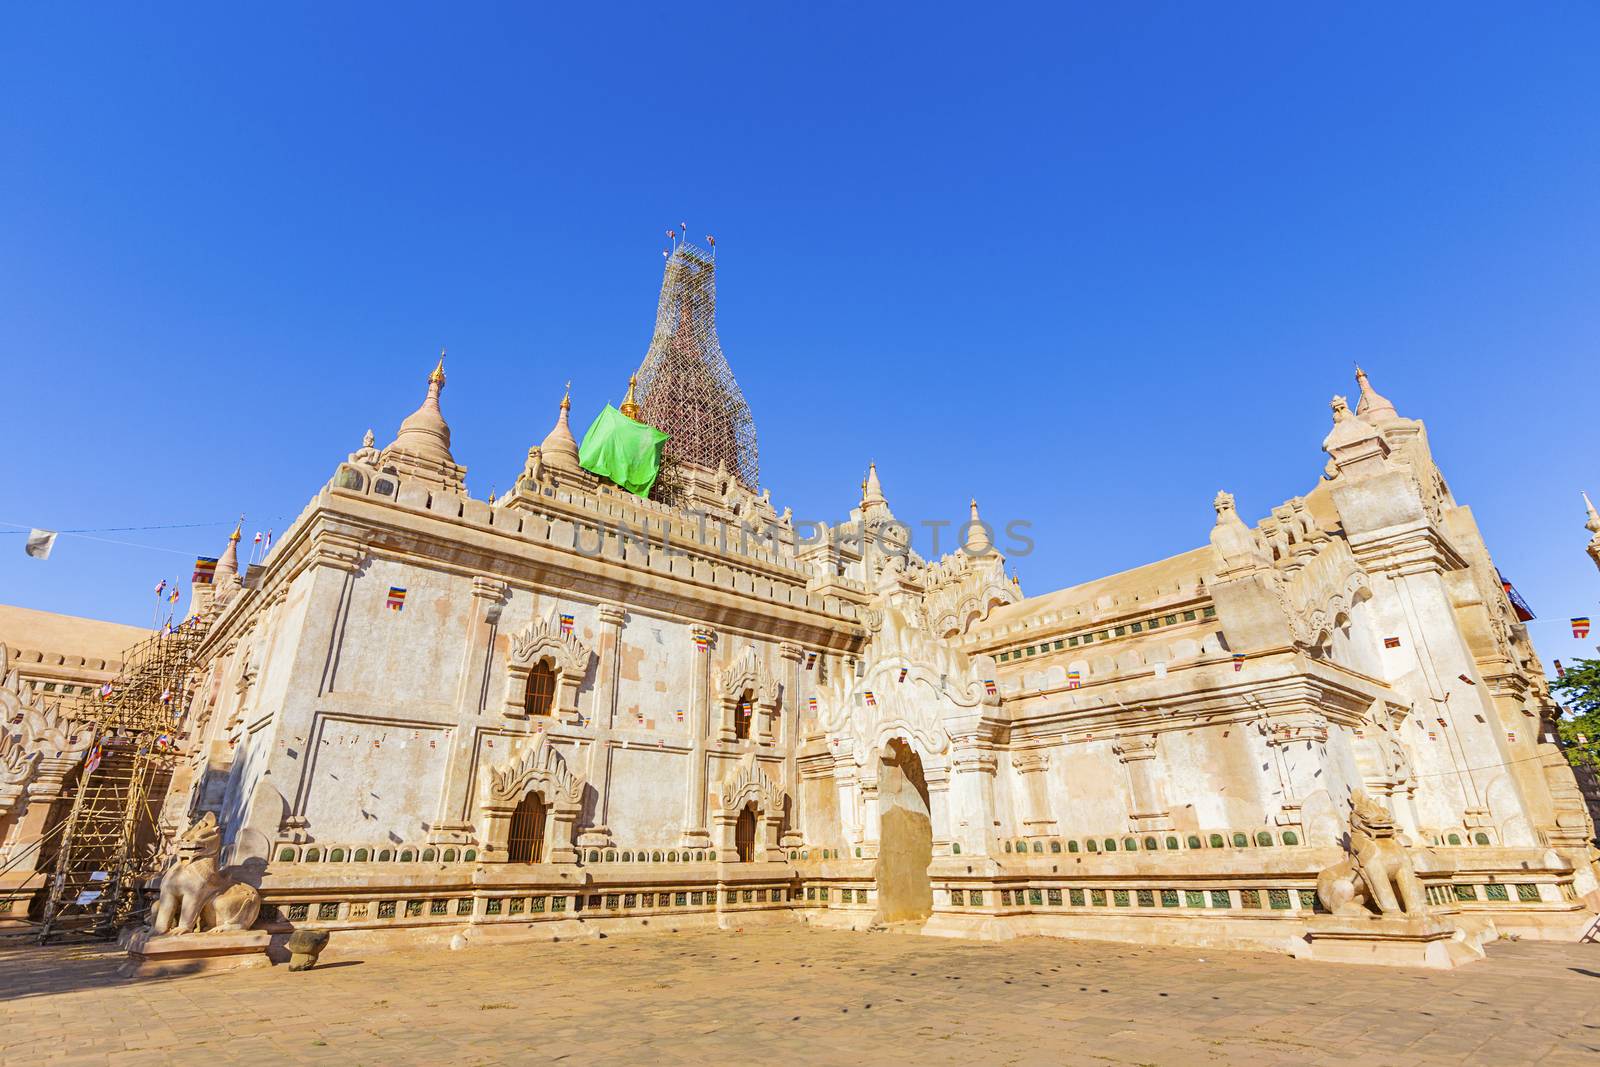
(978, 543)
(630, 407)
(1373, 405)
(872, 491)
(422, 446)
(1593, 526)
(559, 449)
(228, 563)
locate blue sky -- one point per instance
(1087, 264)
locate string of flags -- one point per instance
(397, 598)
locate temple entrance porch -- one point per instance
(905, 836)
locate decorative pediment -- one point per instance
(747, 673)
(43, 730)
(747, 781)
(540, 769)
(540, 638)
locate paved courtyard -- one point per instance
(805, 996)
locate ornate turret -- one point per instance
(1373, 406)
(422, 447)
(1593, 526)
(630, 407)
(978, 543)
(872, 498)
(559, 448)
(1357, 448)
(228, 562)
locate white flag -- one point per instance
(40, 542)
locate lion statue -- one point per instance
(1377, 869)
(195, 894)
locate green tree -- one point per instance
(1579, 692)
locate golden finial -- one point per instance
(629, 407)
(438, 372)
(238, 531)
(566, 400)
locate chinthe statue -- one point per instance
(196, 896)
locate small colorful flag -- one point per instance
(1391, 642)
(161, 587)
(1074, 679)
(269, 539)
(258, 537)
(105, 690)
(1561, 672)
(397, 598)
(903, 671)
(1238, 661)
(1440, 722)
(93, 762)
(812, 704)
(1432, 736)
(205, 570)
(679, 713)
(177, 592)
(166, 696)
(811, 660)
(990, 688)
(1511, 736)
(566, 625)
(702, 641)
(872, 701)
(1580, 627)
(1464, 678)
(164, 741)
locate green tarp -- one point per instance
(627, 452)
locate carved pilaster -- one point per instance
(1138, 754)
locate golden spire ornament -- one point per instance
(629, 407)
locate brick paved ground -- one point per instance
(801, 995)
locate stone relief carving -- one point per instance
(1378, 876)
(748, 781)
(198, 897)
(540, 640)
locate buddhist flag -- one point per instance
(989, 687)
(811, 660)
(93, 762)
(679, 713)
(1580, 626)
(872, 701)
(1391, 642)
(397, 598)
(812, 703)
(702, 641)
(1074, 679)
(566, 625)
(1238, 661)
(205, 570)
(177, 592)
(161, 587)
(903, 671)
(39, 543)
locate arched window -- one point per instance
(525, 843)
(741, 717)
(541, 689)
(744, 835)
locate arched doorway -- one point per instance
(905, 836)
(744, 834)
(525, 844)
